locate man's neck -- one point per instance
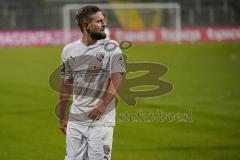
(87, 40)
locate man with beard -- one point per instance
(92, 70)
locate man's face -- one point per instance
(96, 26)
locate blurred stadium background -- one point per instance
(46, 14)
(203, 68)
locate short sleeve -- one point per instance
(117, 61)
(65, 72)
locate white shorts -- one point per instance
(88, 142)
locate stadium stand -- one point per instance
(46, 14)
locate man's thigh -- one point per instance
(76, 142)
(100, 143)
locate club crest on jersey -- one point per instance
(100, 56)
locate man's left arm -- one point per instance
(113, 87)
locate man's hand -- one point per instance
(63, 125)
(97, 111)
(113, 86)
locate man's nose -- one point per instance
(104, 24)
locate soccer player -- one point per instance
(92, 71)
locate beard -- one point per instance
(98, 35)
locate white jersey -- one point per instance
(90, 67)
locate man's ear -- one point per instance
(86, 26)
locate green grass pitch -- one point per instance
(205, 77)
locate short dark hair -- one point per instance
(84, 14)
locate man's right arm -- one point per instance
(64, 97)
